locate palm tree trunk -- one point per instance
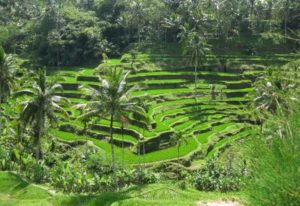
(139, 151)
(178, 153)
(37, 142)
(144, 150)
(123, 152)
(0, 110)
(286, 17)
(38, 148)
(86, 139)
(178, 169)
(0, 118)
(40, 127)
(252, 13)
(196, 79)
(112, 142)
(139, 37)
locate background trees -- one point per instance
(51, 32)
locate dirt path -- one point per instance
(219, 203)
(4, 197)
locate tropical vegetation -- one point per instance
(131, 102)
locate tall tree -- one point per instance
(273, 95)
(114, 100)
(7, 79)
(178, 138)
(40, 107)
(195, 49)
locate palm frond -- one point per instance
(23, 92)
(59, 109)
(89, 114)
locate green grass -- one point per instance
(131, 158)
(204, 138)
(26, 194)
(226, 141)
(179, 73)
(15, 191)
(166, 154)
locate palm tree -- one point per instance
(147, 124)
(114, 100)
(87, 121)
(195, 48)
(40, 107)
(178, 138)
(133, 59)
(7, 79)
(273, 96)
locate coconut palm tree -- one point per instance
(114, 100)
(7, 79)
(86, 120)
(178, 138)
(273, 96)
(195, 48)
(146, 122)
(41, 107)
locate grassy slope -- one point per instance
(14, 191)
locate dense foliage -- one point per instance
(274, 170)
(71, 32)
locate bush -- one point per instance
(252, 67)
(39, 172)
(69, 178)
(142, 176)
(214, 178)
(4, 159)
(126, 58)
(97, 163)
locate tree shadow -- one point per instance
(196, 113)
(103, 199)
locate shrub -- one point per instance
(214, 178)
(39, 172)
(70, 178)
(143, 176)
(252, 67)
(126, 58)
(182, 184)
(97, 163)
(4, 159)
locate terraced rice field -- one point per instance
(210, 123)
